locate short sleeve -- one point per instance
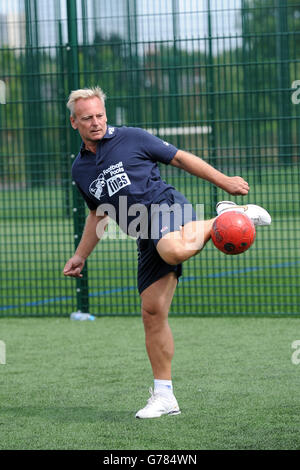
(157, 149)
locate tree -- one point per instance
(270, 44)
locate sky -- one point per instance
(155, 21)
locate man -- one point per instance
(121, 163)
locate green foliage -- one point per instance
(242, 93)
(270, 43)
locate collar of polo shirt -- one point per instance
(109, 134)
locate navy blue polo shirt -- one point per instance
(125, 164)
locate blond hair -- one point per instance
(84, 93)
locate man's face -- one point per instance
(90, 119)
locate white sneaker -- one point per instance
(257, 214)
(159, 405)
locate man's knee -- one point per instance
(154, 315)
(153, 311)
(170, 251)
(157, 298)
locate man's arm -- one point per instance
(90, 237)
(234, 185)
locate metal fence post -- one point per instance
(175, 103)
(211, 106)
(134, 76)
(283, 80)
(34, 163)
(78, 203)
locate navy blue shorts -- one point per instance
(171, 211)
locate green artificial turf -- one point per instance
(77, 385)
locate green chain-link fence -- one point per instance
(217, 78)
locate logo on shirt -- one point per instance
(116, 183)
(112, 179)
(97, 186)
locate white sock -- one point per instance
(164, 387)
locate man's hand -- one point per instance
(88, 241)
(235, 185)
(74, 266)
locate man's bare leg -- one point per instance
(176, 247)
(156, 302)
